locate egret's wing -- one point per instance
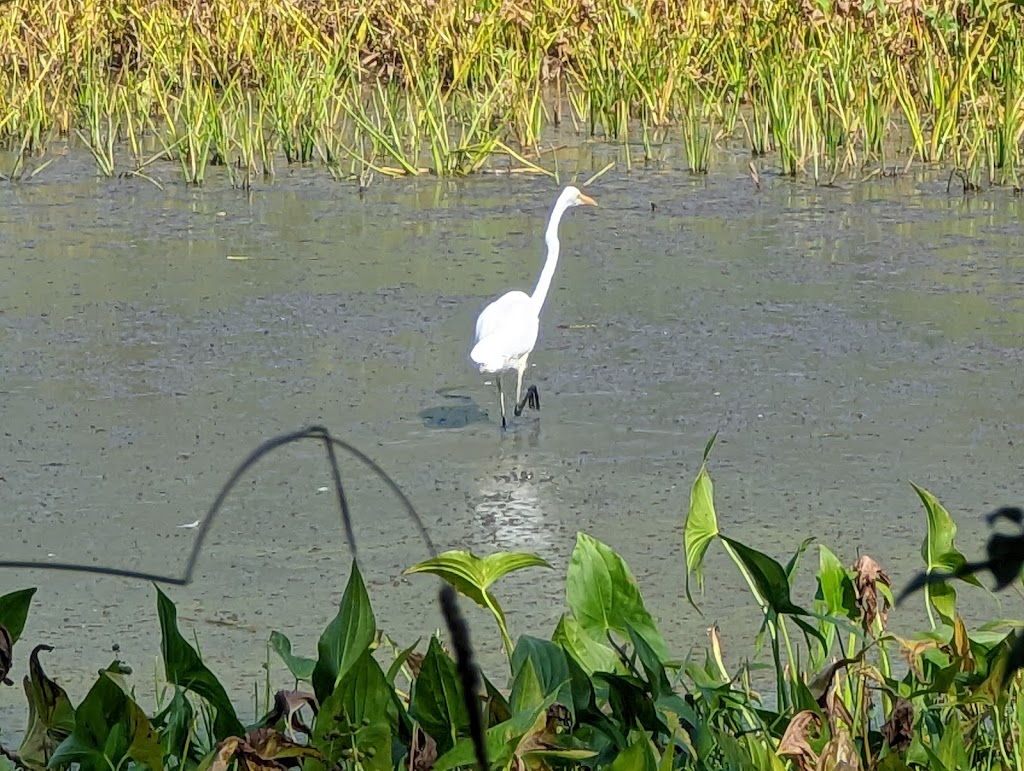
(505, 331)
(506, 312)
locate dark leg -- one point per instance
(531, 399)
(501, 399)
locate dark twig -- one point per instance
(318, 433)
(468, 672)
(457, 627)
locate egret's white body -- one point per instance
(506, 330)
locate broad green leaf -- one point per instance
(736, 755)
(498, 709)
(836, 596)
(701, 525)
(772, 586)
(795, 559)
(951, 750)
(471, 575)
(364, 692)
(373, 742)
(631, 703)
(501, 740)
(437, 701)
(603, 594)
(892, 762)
(591, 654)
(175, 723)
(596, 730)
(835, 585)
(347, 637)
(51, 718)
(940, 556)
(564, 756)
(769, 578)
(657, 680)
(762, 755)
(658, 683)
(109, 728)
(549, 665)
(638, 756)
(183, 667)
(527, 691)
(343, 721)
(400, 659)
(14, 611)
(300, 667)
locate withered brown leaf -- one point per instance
(821, 685)
(262, 749)
(415, 661)
(288, 704)
(835, 710)
(869, 575)
(423, 753)
(961, 646)
(898, 730)
(839, 754)
(795, 745)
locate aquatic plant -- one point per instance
(601, 691)
(452, 87)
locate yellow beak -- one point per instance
(587, 200)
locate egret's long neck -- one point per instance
(540, 292)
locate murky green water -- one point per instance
(842, 340)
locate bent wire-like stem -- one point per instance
(457, 626)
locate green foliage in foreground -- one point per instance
(602, 692)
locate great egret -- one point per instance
(506, 330)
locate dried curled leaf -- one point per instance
(415, 661)
(262, 749)
(795, 744)
(839, 754)
(898, 730)
(821, 685)
(423, 753)
(836, 711)
(869, 576)
(287, 705)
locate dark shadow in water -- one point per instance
(460, 410)
(453, 415)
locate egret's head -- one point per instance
(572, 196)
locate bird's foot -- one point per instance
(531, 399)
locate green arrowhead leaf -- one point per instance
(701, 525)
(347, 637)
(437, 701)
(940, 556)
(183, 667)
(603, 594)
(300, 667)
(14, 611)
(109, 727)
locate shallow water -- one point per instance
(842, 341)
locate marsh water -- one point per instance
(842, 340)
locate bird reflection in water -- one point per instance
(509, 511)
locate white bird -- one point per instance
(506, 330)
